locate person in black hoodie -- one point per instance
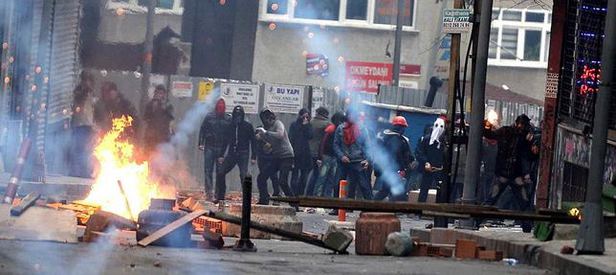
(300, 134)
(212, 138)
(240, 141)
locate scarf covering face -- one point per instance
(437, 131)
(350, 133)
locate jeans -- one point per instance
(280, 167)
(263, 163)
(357, 177)
(518, 190)
(428, 180)
(298, 180)
(231, 160)
(210, 156)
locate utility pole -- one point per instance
(473, 156)
(454, 62)
(398, 43)
(147, 55)
(590, 238)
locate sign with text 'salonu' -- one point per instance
(284, 98)
(456, 20)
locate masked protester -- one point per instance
(82, 126)
(397, 146)
(350, 144)
(319, 123)
(329, 173)
(212, 136)
(300, 134)
(113, 105)
(240, 139)
(514, 148)
(274, 134)
(431, 158)
(158, 118)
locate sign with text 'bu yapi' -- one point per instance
(284, 98)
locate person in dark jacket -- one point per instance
(319, 124)
(83, 136)
(329, 173)
(397, 147)
(114, 105)
(274, 133)
(212, 136)
(158, 118)
(431, 157)
(350, 144)
(514, 149)
(300, 134)
(264, 159)
(240, 140)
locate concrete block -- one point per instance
(38, 224)
(566, 231)
(422, 234)
(399, 244)
(466, 249)
(343, 225)
(490, 255)
(414, 196)
(337, 238)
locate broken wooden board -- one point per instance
(24, 204)
(171, 227)
(38, 224)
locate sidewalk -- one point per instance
(527, 250)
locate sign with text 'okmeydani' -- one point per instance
(245, 95)
(284, 98)
(456, 20)
(367, 76)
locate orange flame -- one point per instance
(116, 158)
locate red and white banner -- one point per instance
(366, 76)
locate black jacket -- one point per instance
(213, 132)
(434, 154)
(513, 151)
(397, 146)
(300, 136)
(240, 136)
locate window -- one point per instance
(140, 6)
(519, 38)
(318, 9)
(357, 10)
(378, 14)
(386, 12)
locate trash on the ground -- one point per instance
(510, 261)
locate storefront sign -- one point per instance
(181, 88)
(366, 76)
(205, 88)
(456, 20)
(317, 99)
(245, 95)
(284, 98)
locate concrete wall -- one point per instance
(279, 58)
(527, 81)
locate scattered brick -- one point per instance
(466, 249)
(446, 252)
(490, 255)
(567, 250)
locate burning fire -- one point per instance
(493, 117)
(574, 212)
(123, 186)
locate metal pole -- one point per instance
(147, 55)
(244, 243)
(473, 156)
(398, 43)
(590, 239)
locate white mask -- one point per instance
(437, 130)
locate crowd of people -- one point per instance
(314, 154)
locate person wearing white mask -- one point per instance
(431, 156)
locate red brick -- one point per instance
(466, 249)
(442, 236)
(433, 251)
(446, 252)
(490, 255)
(421, 250)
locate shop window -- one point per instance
(532, 45)
(277, 6)
(386, 12)
(317, 9)
(357, 9)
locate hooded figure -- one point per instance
(431, 158)
(514, 150)
(158, 118)
(300, 134)
(273, 133)
(240, 141)
(212, 141)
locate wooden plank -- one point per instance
(25, 203)
(171, 227)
